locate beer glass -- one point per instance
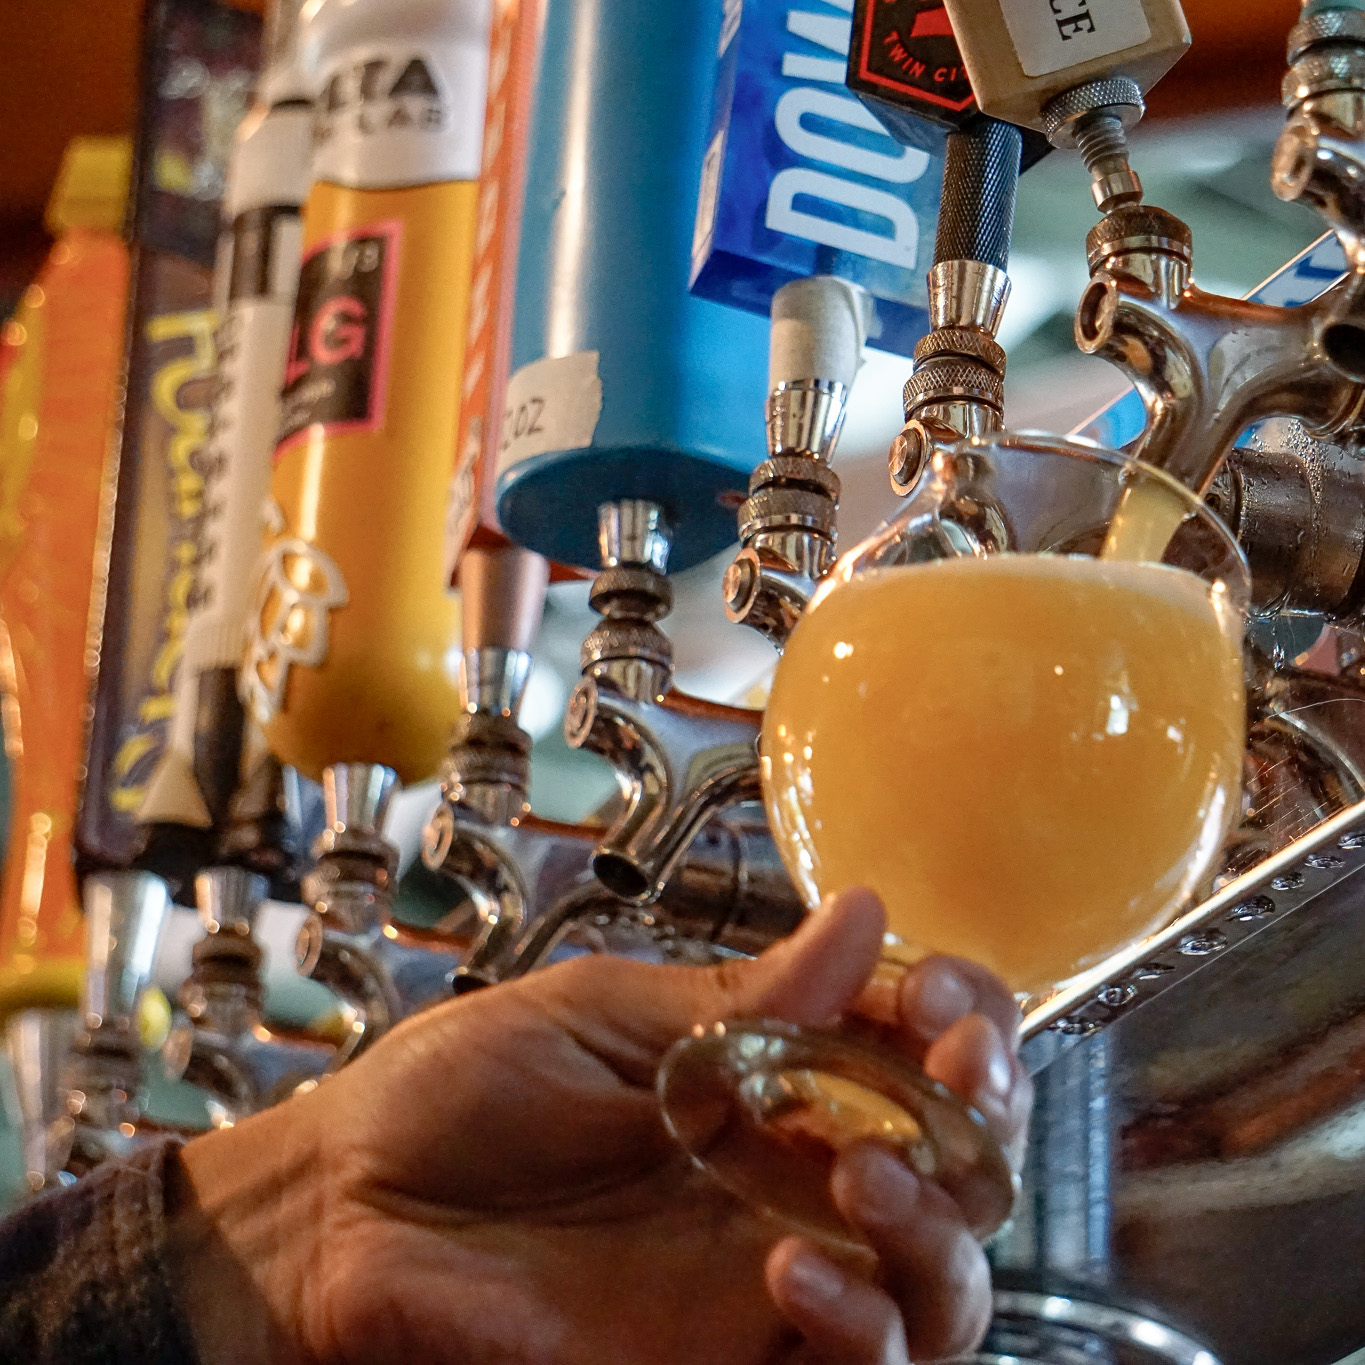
(1016, 712)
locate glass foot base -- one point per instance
(767, 1107)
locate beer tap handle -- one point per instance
(503, 597)
(958, 386)
(787, 526)
(980, 187)
(488, 772)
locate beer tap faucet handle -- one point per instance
(489, 769)
(787, 525)
(1208, 368)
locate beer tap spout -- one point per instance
(533, 884)
(350, 944)
(678, 760)
(224, 1046)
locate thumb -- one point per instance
(634, 1012)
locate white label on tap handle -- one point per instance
(552, 404)
(1052, 35)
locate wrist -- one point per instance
(244, 1207)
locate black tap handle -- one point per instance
(980, 186)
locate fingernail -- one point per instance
(999, 1070)
(874, 1184)
(940, 997)
(813, 1278)
(827, 903)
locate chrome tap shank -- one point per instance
(125, 913)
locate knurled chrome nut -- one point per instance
(618, 639)
(1138, 227)
(643, 592)
(784, 471)
(494, 768)
(333, 843)
(944, 379)
(967, 343)
(481, 731)
(1120, 96)
(1330, 26)
(1320, 72)
(776, 508)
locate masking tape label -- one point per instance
(1052, 35)
(551, 404)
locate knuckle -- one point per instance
(730, 982)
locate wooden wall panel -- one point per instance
(1237, 60)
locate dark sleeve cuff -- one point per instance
(83, 1277)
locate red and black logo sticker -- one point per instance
(904, 52)
(337, 373)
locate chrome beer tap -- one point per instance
(787, 526)
(37, 1045)
(678, 760)
(125, 913)
(489, 769)
(534, 889)
(349, 944)
(1208, 367)
(530, 881)
(224, 1046)
(483, 837)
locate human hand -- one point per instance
(492, 1182)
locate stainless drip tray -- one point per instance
(1199, 1137)
(1058, 1329)
(1264, 897)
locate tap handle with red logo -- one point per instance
(905, 64)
